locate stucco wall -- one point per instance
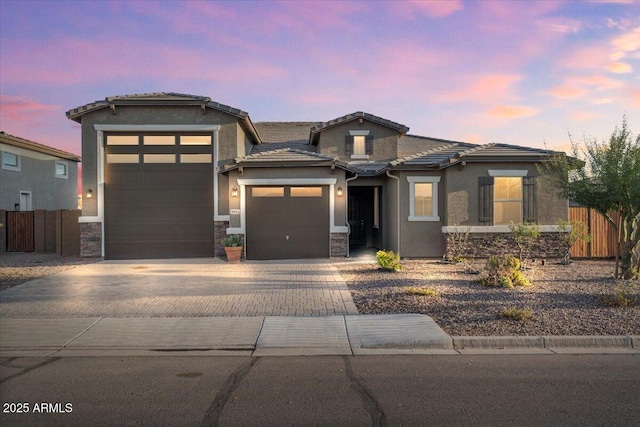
(421, 238)
(151, 115)
(461, 187)
(38, 177)
(385, 140)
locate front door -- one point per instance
(360, 216)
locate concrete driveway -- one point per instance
(182, 288)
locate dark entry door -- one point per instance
(358, 236)
(361, 216)
(287, 222)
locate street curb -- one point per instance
(546, 342)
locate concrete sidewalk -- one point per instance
(275, 336)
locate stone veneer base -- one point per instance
(339, 243)
(484, 245)
(91, 239)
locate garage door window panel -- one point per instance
(159, 140)
(195, 140)
(195, 158)
(123, 158)
(306, 191)
(267, 192)
(123, 140)
(159, 158)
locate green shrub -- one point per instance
(388, 260)
(425, 292)
(504, 272)
(519, 314)
(457, 244)
(232, 241)
(525, 236)
(619, 299)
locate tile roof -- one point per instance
(152, 99)
(448, 154)
(284, 155)
(294, 145)
(284, 131)
(316, 130)
(507, 150)
(16, 141)
(412, 144)
(368, 169)
(159, 98)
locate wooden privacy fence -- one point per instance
(19, 231)
(40, 231)
(603, 235)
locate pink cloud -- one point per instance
(484, 89)
(591, 57)
(57, 62)
(628, 42)
(599, 83)
(23, 110)
(620, 68)
(568, 91)
(583, 116)
(511, 111)
(431, 9)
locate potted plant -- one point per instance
(233, 247)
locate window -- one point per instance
(507, 204)
(423, 198)
(62, 170)
(10, 161)
(505, 196)
(359, 144)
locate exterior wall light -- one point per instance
(234, 192)
(89, 194)
(339, 192)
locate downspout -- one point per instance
(346, 210)
(398, 204)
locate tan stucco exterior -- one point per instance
(397, 230)
(385, 140)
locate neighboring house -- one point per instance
(171, 174)
(35, 176)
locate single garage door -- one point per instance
(287, 222)
(158, 202)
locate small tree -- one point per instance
(606, 177)
(570, 234)
(524, 235)
(457, 244)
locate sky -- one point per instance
(523, 72)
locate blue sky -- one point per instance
(525, 72)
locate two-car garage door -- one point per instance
(287, 222)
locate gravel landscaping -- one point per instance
(564, 300)
(19, 267)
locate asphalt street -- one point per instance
(175, 389)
